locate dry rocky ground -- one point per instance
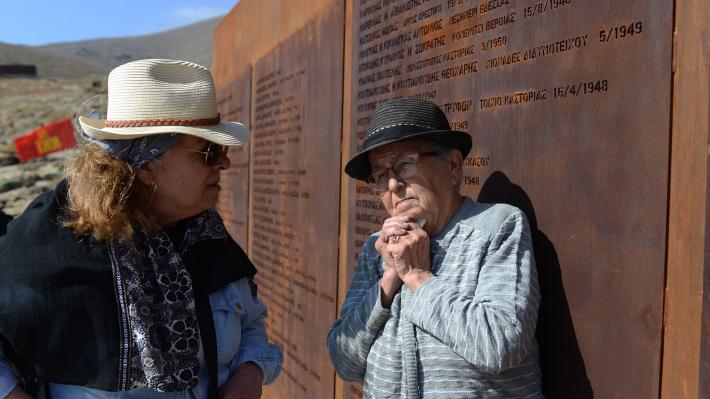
(26, 104)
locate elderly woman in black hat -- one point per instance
(123, 282)
(444, 299)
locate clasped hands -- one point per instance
(404, 246)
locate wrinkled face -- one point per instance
(430, 191)
(186, 185)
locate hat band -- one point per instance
(163, 122)
(400, 130)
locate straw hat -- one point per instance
(406, 119)
(155, 96)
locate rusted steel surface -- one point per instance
(295, 185)
(234, 104)
(568, 105)
(253, 28)
(347, 259)
(686, 352)
(288, 56)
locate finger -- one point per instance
(419, 234)
(392, 230)
(413, 226)
(408, 239)
(394, 239)
(381, 243)
(414, 241)
(399, 225)
(396, 220)
(396, 254)
(390, 233)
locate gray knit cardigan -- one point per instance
(468, 332)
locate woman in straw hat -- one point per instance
(123, 282)
(444, 299)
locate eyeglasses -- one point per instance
(212, 155)
(404, 169)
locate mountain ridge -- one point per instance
(98, 56)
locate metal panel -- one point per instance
(255, 27)
(568, 105)
(295, 185)
(234, 104)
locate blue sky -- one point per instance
(37, 22)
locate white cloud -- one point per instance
(197, 13)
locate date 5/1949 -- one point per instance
(620, 32)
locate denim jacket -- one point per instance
(241, 338)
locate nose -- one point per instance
(223, 162)
(393, 182)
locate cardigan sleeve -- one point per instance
(494, 329)
(361, 319)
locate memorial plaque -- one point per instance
(295, 201)
(568, 105)
(234, 104)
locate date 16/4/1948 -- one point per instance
(577, 89)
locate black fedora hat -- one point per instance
(405, 119)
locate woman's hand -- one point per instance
(18, 393)
(407, 252)
(244, 384)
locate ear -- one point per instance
(145, 175)
(455, 163)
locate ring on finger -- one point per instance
(393, 239)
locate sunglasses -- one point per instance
(212, 155)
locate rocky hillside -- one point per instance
(99, 56)
(26, 104)
(68, 74)
(48, 64)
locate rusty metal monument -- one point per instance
(592, 117)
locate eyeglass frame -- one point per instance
(222, 149)
(440, 152)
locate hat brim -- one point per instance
(359, 166)
(224, 133)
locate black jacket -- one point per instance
(4, 220)
(58, 307)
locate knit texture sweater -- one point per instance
(468, 332)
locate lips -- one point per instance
(214, 185)
(402, 200)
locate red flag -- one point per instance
(56, 136)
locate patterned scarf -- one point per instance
(136, 152)
(165, 338)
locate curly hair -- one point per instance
(106, 198)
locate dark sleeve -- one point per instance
(4, 220)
